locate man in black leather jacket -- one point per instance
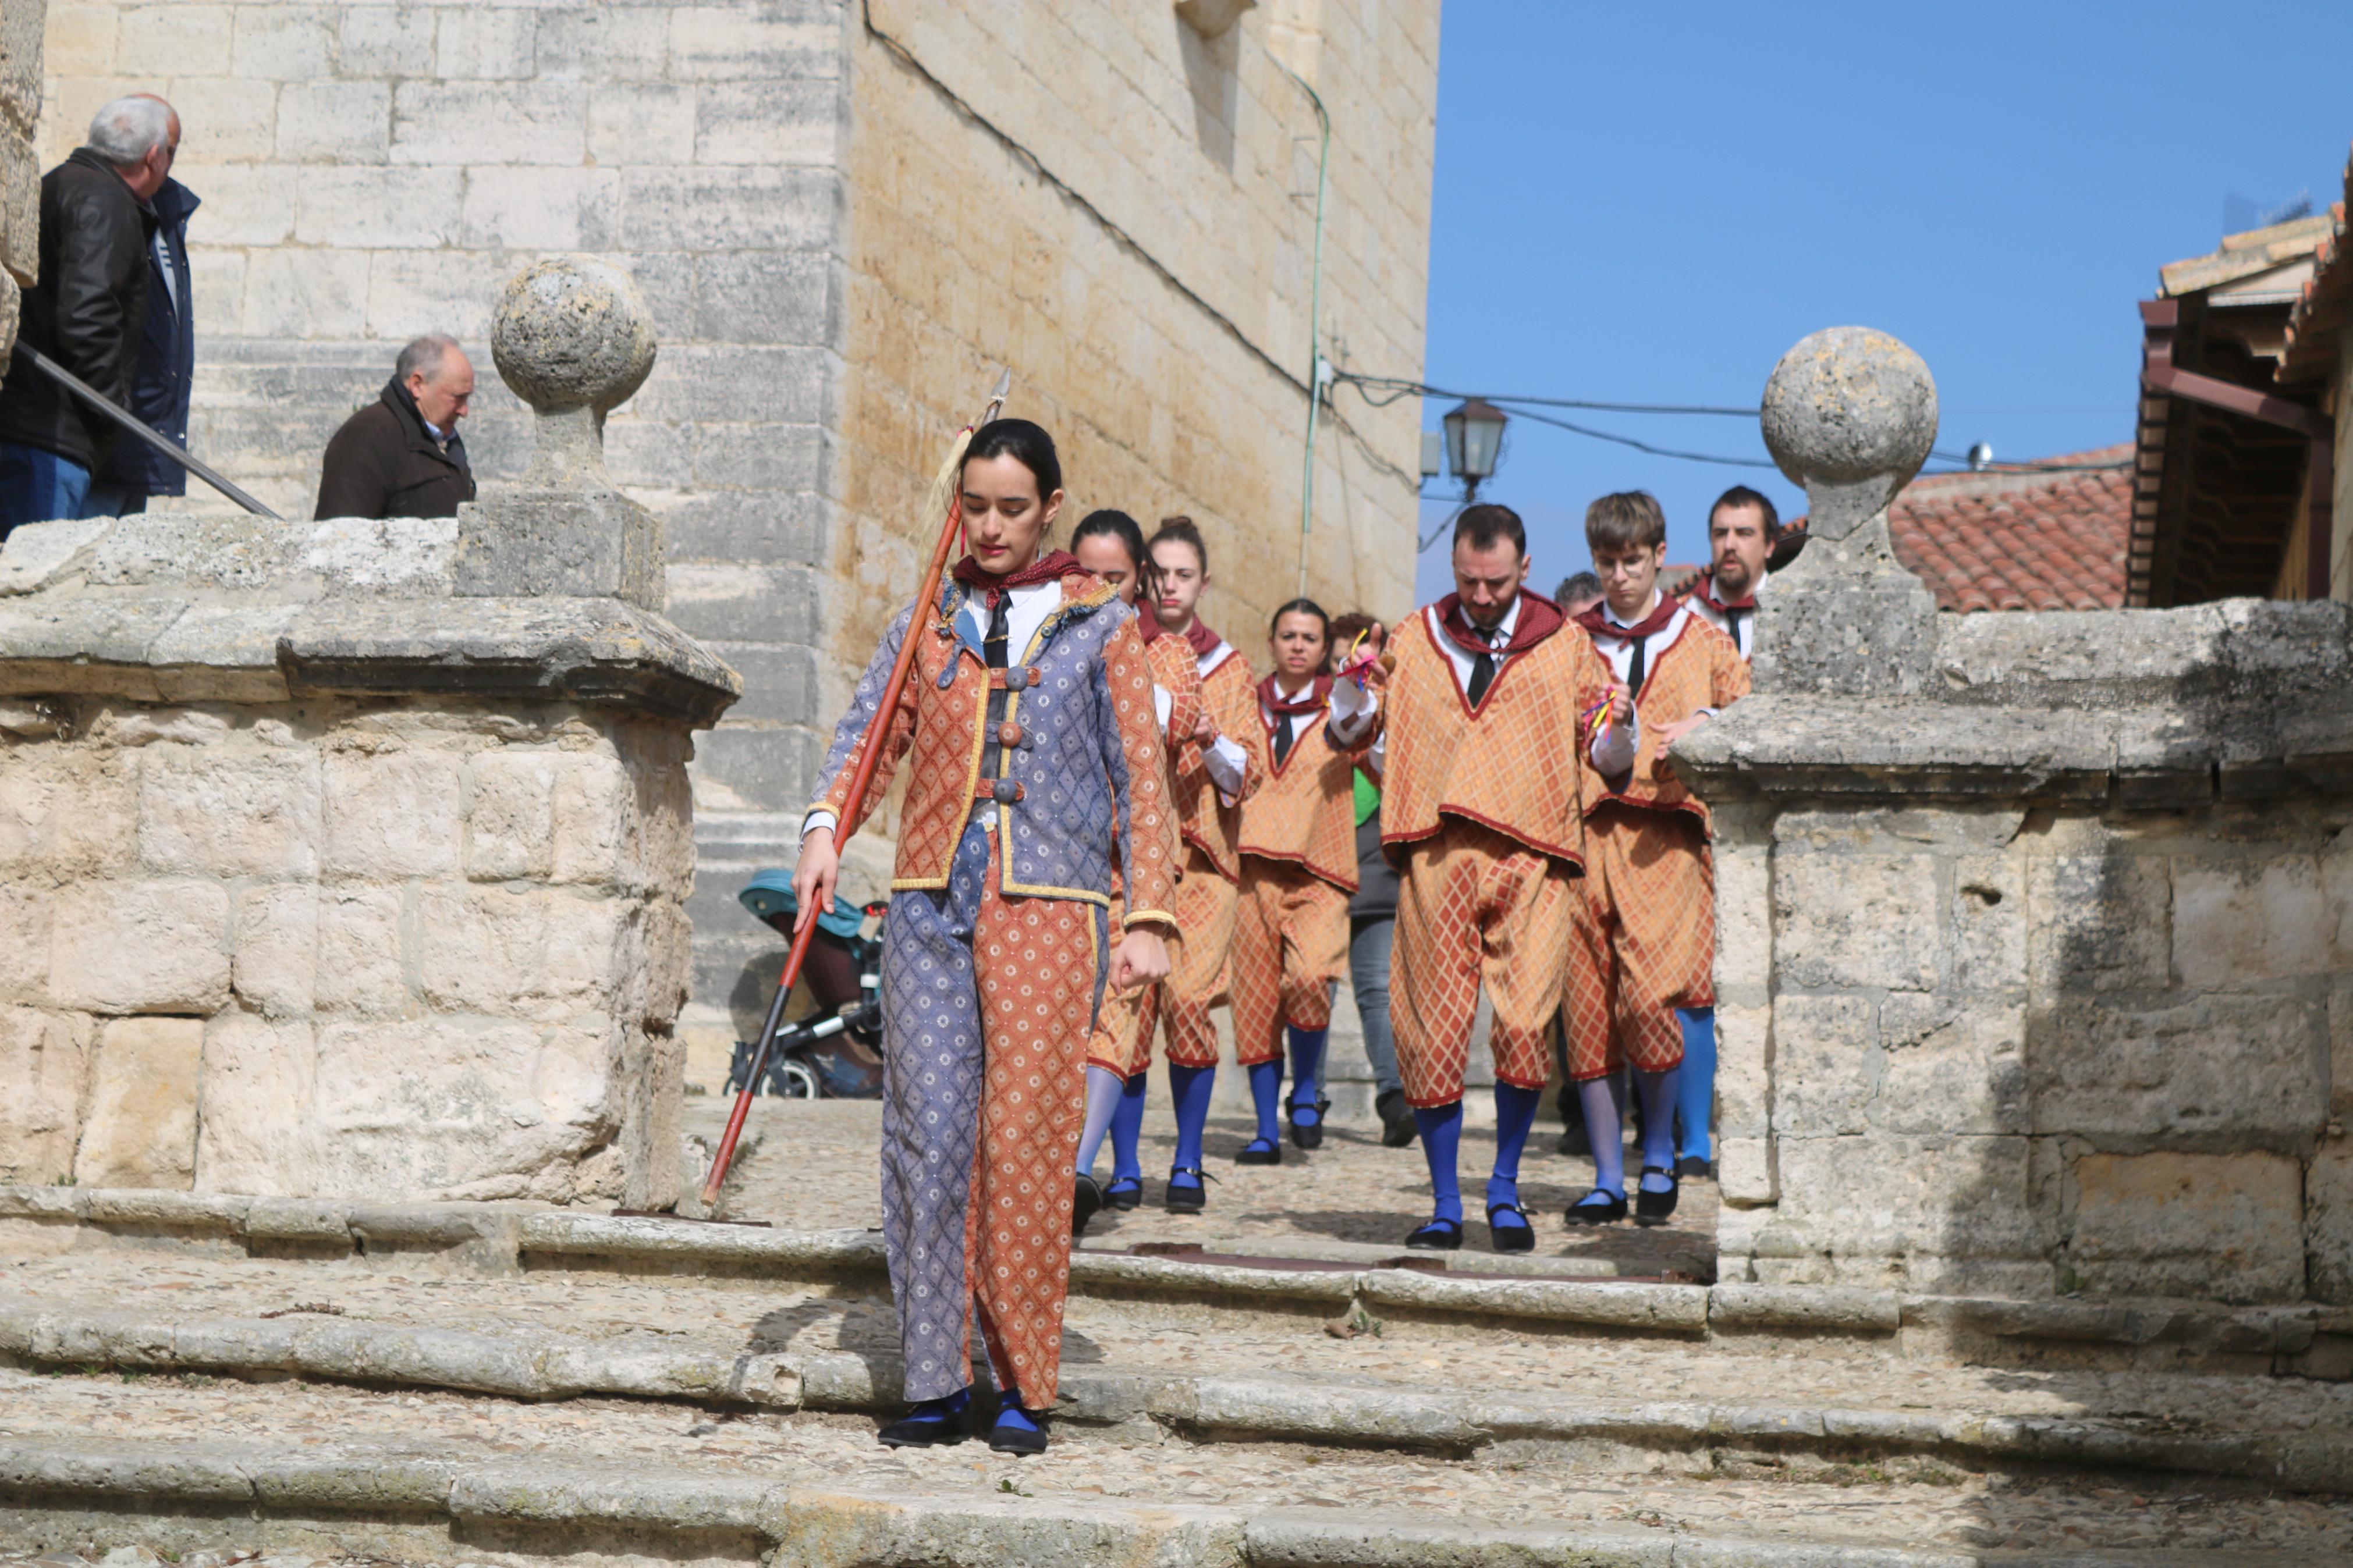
(87, 312)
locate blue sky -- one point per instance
(1649, 202)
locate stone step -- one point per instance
(501, 1239)
(441, 1479)
(518, 1359)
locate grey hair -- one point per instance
(127, 130)
(423, 354)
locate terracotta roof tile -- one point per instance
(2020, 540)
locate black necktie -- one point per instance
(1735, 617)
(1281, 737)
(992, 649)
(1482, 670)
(1634, 668)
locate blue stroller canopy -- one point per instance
(769, 895)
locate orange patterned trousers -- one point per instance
(1196, 957)
(1473, 908)
(1644, 943)
(986, 1006)
(1291, 947)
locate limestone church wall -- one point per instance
(846, 215)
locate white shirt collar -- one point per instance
(1611, 616)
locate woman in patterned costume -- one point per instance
(1299, 869)
(1110, 545)
(1221, 768)
(1034, 763)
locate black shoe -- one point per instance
(1397, 1126)
(1260, 1152)
(1017, 1441)
(1590, 1213)
(1312, 1135)
(1655, 1208)
(1437, 1236)
(1520, 1237)
(940, 1432)
(1691, 1168)
(1086, 1201)
(1124, 1192)
(1575, 1142)
(1187, 1200)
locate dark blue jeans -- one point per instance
(1369, 977)
(38, 486)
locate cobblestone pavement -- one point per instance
(1926, 1503)
(816, 1166)
(734, 1315)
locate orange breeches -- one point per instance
(1644, 943)
(1291, 948)
(1475, 908)
(1196, 957)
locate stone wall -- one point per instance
(792, 184)
(340, 949)
(2035, 930)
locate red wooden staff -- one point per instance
(870, 754)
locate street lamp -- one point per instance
(1474, 438)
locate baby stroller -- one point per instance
(834, 1052)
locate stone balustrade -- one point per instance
(2035, 953)
(349, 859)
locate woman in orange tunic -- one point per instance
(1110, 545)
(1298, 868)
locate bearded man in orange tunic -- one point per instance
(1484, 722)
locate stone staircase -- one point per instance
(439, 1382)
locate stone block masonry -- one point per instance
(2038, 929)
(790, 184)
(351, 858)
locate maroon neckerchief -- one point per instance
(1539, 618)
(1596, 621)
(1050, 567)
(1201, 639)
(1147, 621)
(1312, 700)
(1702, 588)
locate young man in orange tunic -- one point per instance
(1299, 870)
(1110, 545)
(1647, 945)
(1220, 769)
(1479, 756)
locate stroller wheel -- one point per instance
(794, 1080)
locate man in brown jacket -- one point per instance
(401, 456)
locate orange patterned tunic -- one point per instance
(1512, 766)
(1305, 813)
(1207, 820)
(1691, 666)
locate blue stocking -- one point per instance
(1598, 1098)
(1127, 1131)
(1442, 1143)
(1516, 1115)
(1266, 1096)
(1104, 1087)
(1307, 1075)
(1658, 1092)
(1189, 1088)
(1696, 1090)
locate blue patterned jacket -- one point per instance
(1079, 781)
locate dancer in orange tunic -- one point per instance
(1034, 766)
(1222, 768)
(1110, 545)
(1647, 947)
(1479, 754)
(1299, 869)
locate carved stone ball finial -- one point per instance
(573, 338)
(1850, 415)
